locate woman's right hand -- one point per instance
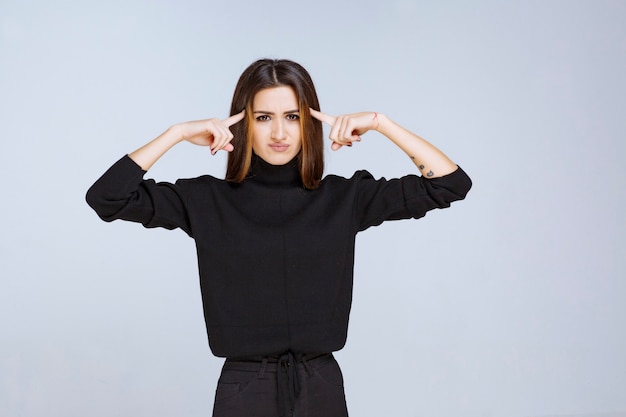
(210, 132)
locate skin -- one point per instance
(214, 133)
(348, 129)
(276, 123)
(277, 137)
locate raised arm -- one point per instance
(122, 193)
(347, 129)
(211, 132)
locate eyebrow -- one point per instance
(272, 113)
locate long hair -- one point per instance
(268, 73)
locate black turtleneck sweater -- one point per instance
(275, 259)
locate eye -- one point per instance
(293, 116)
(263, 118)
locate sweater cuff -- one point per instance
(457, 181)
(128, 163)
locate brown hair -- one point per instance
(268, 73)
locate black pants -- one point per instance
(277, 387)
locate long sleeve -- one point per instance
(411, 196)
(122, 193)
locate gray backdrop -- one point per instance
(511, 303)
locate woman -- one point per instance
(275, 241)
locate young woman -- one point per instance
(275, 240)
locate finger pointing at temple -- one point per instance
(323, 117)
(222, 134)
(234, 119)
(329, 120)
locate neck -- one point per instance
(266, 173)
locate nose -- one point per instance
(278, 130)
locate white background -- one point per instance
(510, 303)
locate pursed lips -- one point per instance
(280, 147)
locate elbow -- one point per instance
(104, 208)
(96, 202)
(465, 185)
(91, 197)
(458, 185)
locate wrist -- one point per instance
(382, 122)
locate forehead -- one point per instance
(282, 97)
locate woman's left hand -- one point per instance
(347, 128)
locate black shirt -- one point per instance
(275, 259)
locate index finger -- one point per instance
(322, 117)
(234, 119)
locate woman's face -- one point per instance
(276, 133)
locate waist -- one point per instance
(271, 363)
(285, 368)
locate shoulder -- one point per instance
(363, 178)
(338, 184)
(196, 187)
(201, 181)
(356, 177)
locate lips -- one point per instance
(279, 147)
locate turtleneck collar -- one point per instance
(280, 175)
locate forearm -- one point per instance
(149, 153)
(431, 162)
